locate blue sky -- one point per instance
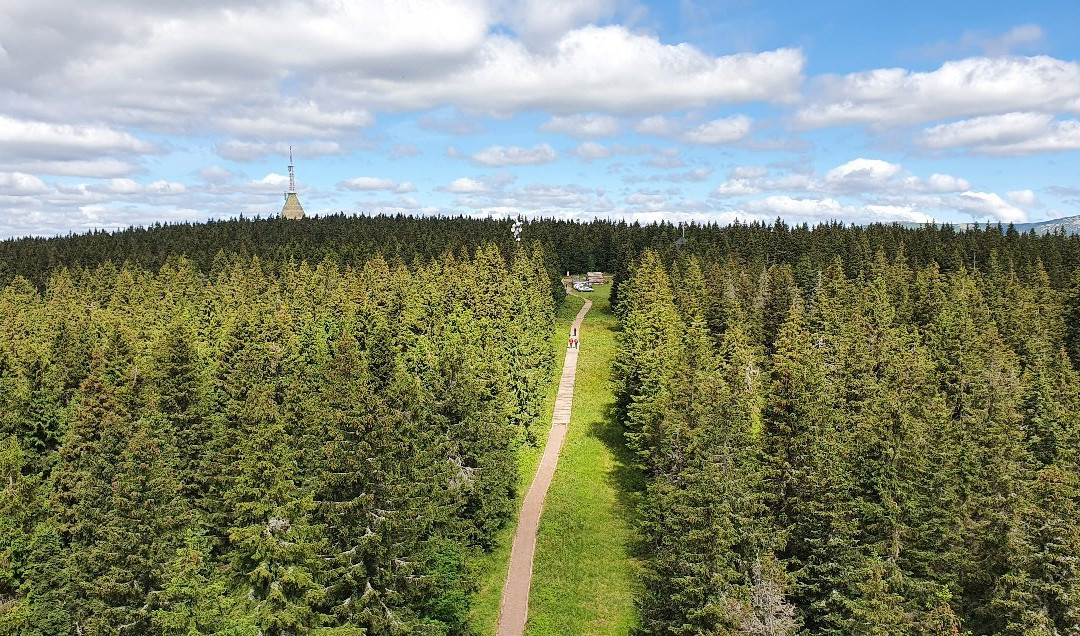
(123, 112)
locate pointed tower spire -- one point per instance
(292, 209)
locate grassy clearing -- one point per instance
(584, 575)
(491, 567)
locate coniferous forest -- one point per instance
(271, 427)
(253, 452)
(890, 452)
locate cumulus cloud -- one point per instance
(711, 133)
(371, 184)
(19, 184)
(785, 205)
(466, 185)
(1025, 198)
(1020, 133)
(963, 88)
(69, 149)
(89, 168)
(515, 155)
(244, 151)
(658, 125)
(737, 187)
(983, 205)
(294, 120)
(990, 130)
(862, 174)
(43, 140)
(571, 197)
(831, 209)
(946, 183)
(590, 150)
(719, 131)
(541, 22)
(582, 126)
(594, 68)
(896, 213)
(214, 67)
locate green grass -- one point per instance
(491, 567)
(584, 575)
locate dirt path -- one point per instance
(515, 598)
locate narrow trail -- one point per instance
(514, 609)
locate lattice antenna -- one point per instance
(292, 175)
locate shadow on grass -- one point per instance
(627, 480)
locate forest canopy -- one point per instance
(266, 426)
(257, 452)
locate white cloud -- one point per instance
(694, 175)
(719, 131)
(90, 168)
(278, 181)
(43, 140)
(593, 68)
(123, 186)
(541, 197)
(243, 151)
(1020, 133)
(860, 176)
(590, 150)
(465, 185)
(647, 201)
(658, 125)
(946, 183)
(962, 88)
(298, 120)
(371, 184)
(748, 172)
(582, 126)
(737, 187)
(981, 205)
(540, 22)
(162, 187)
(20, 184)
(784, 205)
(862, 173)
(1025, 198)
(712, 133)
(1060, 136)
(515, 155)
(897, 213)
(988, 130)
(830, 209)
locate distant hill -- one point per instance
(1071, 225)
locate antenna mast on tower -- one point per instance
(292, 176)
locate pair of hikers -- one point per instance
(573, 342)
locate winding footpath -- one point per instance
(514, 609)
